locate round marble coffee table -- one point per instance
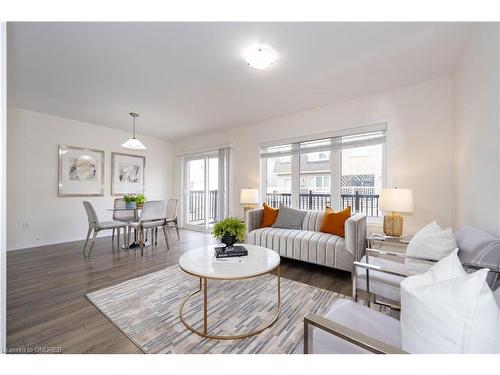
(202, 264)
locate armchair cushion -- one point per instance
(360, 318)
(446, 310)
(382, 284)
(429, 242)
(478, 247)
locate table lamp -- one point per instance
(395, 201)
(249, 198)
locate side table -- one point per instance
(382, 242)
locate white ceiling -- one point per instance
(190, 78)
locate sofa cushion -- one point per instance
(289, 218)
(313, 220)
(269, 216)
(334, 222)
(315, 247)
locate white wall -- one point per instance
(419, 146)
(3, 175)
(477, 132)
(32, 160)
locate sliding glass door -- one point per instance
(196, 202)
(205, 190)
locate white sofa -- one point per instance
(309, 244)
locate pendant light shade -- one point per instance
(134, 143)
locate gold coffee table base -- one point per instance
(204, 333)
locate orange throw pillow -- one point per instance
(269, 217)
(334, 222)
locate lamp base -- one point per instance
(393, 225)
(247, 207)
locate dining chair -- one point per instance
(120, 214)
(97, 226)
(172, 205)
(152, 217)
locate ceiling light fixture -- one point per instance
(134, 143)
(260, 57)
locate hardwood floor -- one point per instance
(46, 288)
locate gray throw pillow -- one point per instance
(289, 218)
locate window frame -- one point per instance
(335, 162)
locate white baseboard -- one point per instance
(52, 241)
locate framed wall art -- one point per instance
(127, 174)
(81, 172)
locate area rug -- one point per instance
(146, 309)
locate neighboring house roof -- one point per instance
(307, 166)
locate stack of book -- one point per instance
(230, 251)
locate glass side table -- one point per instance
(378, 241)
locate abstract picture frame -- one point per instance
(80, 172)
(127, 174)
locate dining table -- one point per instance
(135, 244)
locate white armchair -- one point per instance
(377, 279)
(436, 305)
(351, 328)
(376, 276)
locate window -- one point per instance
(278, 177)
(338, 172)
(314, 174)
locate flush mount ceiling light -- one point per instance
(133, 143)
(260, 57)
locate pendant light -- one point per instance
(134, 143)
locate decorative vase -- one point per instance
(228, 239)
(130, 205)
(139, 205)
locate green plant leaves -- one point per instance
(230, 225)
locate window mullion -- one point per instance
(295, 175)
(263, 179)
(335, 173)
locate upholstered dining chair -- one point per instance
(97, 226)
(379, 274)
(172, 205)
(152, 217)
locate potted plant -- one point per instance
(129, 201)
(230, 230)
(140, 199)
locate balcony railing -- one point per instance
(365, 203)
(197, 206)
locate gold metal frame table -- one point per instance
(201, 263)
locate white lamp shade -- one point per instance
(134, 144)
(396, 200)
(249, 196)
